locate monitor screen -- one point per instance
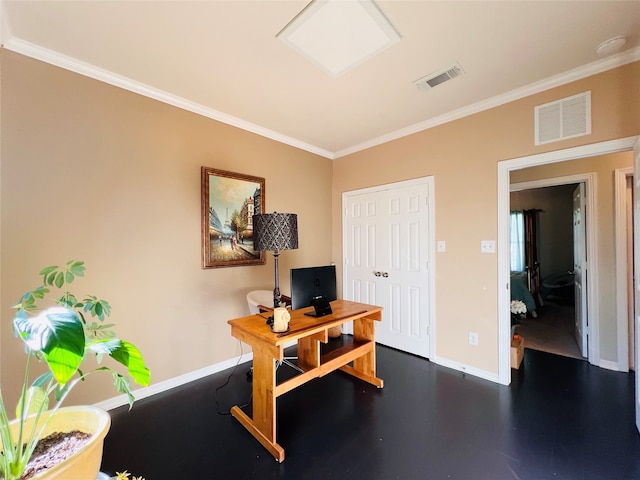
(312, 282)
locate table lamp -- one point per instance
(275, 232)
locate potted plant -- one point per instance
(62, 335)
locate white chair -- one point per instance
(259, 297)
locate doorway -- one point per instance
(388, 238)
(550, 326)
(504, 169)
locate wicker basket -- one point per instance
(335, 332)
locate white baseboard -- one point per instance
(165, 385)
(609, 365)
(461, 367)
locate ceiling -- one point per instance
(222, 59)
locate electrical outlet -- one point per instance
(473, 339)
(488, 246)
(442, 247)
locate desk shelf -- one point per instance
(338, 358)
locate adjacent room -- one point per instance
(194, 153)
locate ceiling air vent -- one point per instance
(566, 118)
(435, 79)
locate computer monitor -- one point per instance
(313, 286)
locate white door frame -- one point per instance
(623, 297)
(636, 271)
(504, 297)
(430, 182)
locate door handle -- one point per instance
(377, 274)
(385, 274)
(381, 274)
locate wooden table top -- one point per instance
(302, 325)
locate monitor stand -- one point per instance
(321, 307)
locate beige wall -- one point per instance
(603, 166)
(96, 173)
(99, 174)
(462, 156)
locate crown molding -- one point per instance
(68, 63)
(54, 58)
(579, 73)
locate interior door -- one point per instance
(386, 252)
(580, 269)
(636, 268)
(631, 332)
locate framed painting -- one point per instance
(229, 201)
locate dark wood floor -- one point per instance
(560, 419)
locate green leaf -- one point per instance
(20, 314)
(28, 300)
(104, 346)
(122, 385)
(61, 390)
(76, 267)
(36, 400)
(40, 292)
(128, 355)
(59, 280)
(100, 326)
(42, 380)
(47, 270)
(97, 308)
(27, 303)
(49, 274)
(58, 334)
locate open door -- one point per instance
(636, 267)
(580, 269)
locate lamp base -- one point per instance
(277, 298)
(276, 291)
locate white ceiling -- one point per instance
(221, 59)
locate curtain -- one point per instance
(531, 250)
(517, 242)
(530, 236)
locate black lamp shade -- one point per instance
(275, 231)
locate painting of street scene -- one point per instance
(229, 201)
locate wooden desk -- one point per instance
(308, 331)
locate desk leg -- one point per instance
(364, 367)
(263, 424)
(309, 350)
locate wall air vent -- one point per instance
(566, 118)
(435, 79)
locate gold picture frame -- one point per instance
(229, 201)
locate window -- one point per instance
(517, 242)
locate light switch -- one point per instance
(488, 246)
(442, 246)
